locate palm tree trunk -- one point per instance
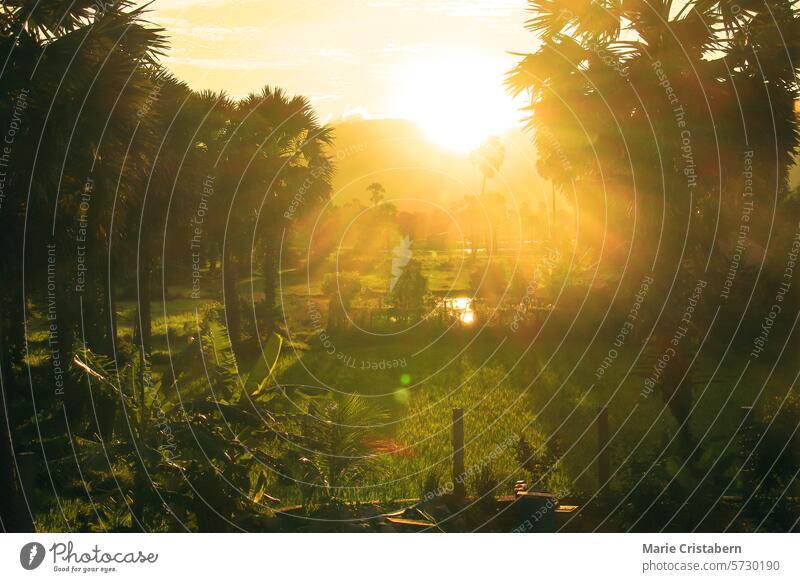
(230, 281)
(144, 325)
(107, 403)
(13, 517)
(270, 268)
(99, 325)
(145, 319)
(67, 317)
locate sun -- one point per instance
(457, 98)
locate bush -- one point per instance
(411, 287)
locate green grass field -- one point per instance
(510, 386)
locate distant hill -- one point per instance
(412, 169)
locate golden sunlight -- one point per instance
(401, 266)
(456, 98)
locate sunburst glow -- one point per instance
(456, 98)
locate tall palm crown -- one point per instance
(489, 158)
(276, 153)
(86, 70)
(616, 84)
(643, 111)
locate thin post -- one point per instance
(458, 453)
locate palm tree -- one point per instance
(377, 193)
(600, 108)
(633, 98)
(489, 158)
(285, 159)
(649, 104)
(108, 150)
(69, 159)
(338, 458)
(169, 181)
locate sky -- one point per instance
(435, 62)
